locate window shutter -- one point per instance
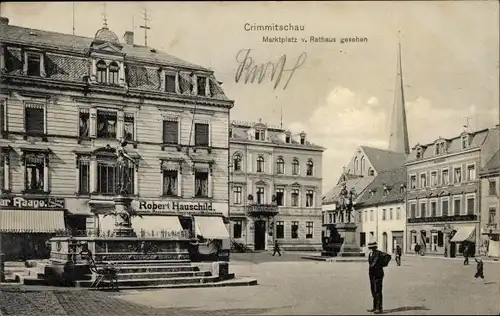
(170, 132)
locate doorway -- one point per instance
(260, 235)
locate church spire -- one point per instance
(398, 138)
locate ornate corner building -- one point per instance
(65, 100)
(276, 181)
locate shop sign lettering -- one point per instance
(32, 203)
(175, 206)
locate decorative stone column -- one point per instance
(123, 223)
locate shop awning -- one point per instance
(210, 227)
(465, 233)
(31, 221)
(151, 223)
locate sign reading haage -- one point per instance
(255, 71)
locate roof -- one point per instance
(81, 45)
(493, 165)
(383, 159)
(390, 179)
(358, 184)
(275, 135)
(453, 145)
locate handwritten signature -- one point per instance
(259, 72)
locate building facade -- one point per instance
(490, 193)
(66, 101)
(276, 180)
(381, 211)
(443, 199)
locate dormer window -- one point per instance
(465, 141)
(170, 83)
(259, 135)
(34, 64)
(113, 73)
(302, 140)
(419, 152)
(288, 138)
(402, 188)
(201, 82)
(372, 193)
(101, 71)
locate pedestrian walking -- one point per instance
(399, 252)
(479, 268)
(377, 260)
(276, 248)
(466, 255)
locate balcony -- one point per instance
(256, 209)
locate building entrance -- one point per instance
(260, 235)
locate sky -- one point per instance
(341, 95)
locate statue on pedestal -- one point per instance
(346, 199)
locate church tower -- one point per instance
(398, 138)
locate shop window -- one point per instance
(106, 124)
(237, 228)
(170, 181)
(201, 133)
(170, 132)
(309, 230)
(128, 127)
(295, 230)
(280, 230)
(201, 183)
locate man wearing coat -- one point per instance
(376, 274)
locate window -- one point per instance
(84, 124)
(237, 228)
(280, 196)
(113, 73)
(237, 162)
(260, 195)
(457, 172)
(280, 230)
(106, 124)
(471, 172)
(366, 216)
(309, 230)
(3, 126)
(433, 209)
(170, 83)
(470, 205)
(295, 167)
(362, 239)
(423, 210)
(492, 188)
(170, 181)
(371, 172)
(423, 180)
(107, 180)
(128, 127)
(34, 171)
(202, 82)
(434, 178)
(295, 230)
(34, 64)
(201, 133)
(309, 198)
(492, 216)
(384, 214)
(287, 138)
(230, 133)
(295, 197)
(445, 177)
(363, 165)
(456, 207)
(83, 176)
(444, 207)
(237, 194)
(101, 71)
(391, 214)
(259, 135)
(280, 166)
(260, 164)
(413, 181)
(170, 132)
(3, 172)
(413, 210)
(201, 183)
(34, 118)
(302, 140)
(465, 142)
(371, 215)
(360, 217)
(436, 151)
(310, 168)
(398, 213)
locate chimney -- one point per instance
(129, 37)
(4, 20)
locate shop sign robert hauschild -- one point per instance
(175, 206)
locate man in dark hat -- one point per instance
(376, 274)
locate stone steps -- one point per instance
(123, 263)
(162, 275)
(157, 268)
(134, 256)
(145, 282)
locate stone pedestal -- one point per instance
(349, 247)
(123, 224)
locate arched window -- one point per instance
(371, 172)
(260, 164)
(280, 166)
(237, 162)
(356, 165)
(101, 71)
(362, 165)
(295, 167)
(309, 167)
(113, 73)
